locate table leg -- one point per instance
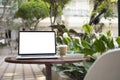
(48, 72)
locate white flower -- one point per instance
(65, 35)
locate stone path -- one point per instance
(10, 71)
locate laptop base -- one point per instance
(37, 57)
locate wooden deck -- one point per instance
(10, 71)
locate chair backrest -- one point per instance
(106, 67)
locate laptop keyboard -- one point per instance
(36, 56)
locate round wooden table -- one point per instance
(48, 62)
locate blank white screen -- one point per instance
(36, 42)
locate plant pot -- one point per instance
(57, 75)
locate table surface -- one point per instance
(44, 61)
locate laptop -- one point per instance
(37, 44)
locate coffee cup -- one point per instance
(62, 50)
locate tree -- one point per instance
(56, 7)
(31, 12)
(4, 3)
(101, 8)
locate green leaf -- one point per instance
(111, 44)
(87, 28)
(109, 33)
(87, 51)
(59, 40)
(76, 45)
(108, 42)
(113, 0)
(118, 40)
(99, 46)
(104, 38)
(85, 44)
(67, 40)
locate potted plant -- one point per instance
(92, 45)
(92, 42)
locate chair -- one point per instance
(106, 67)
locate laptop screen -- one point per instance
(37, 42)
